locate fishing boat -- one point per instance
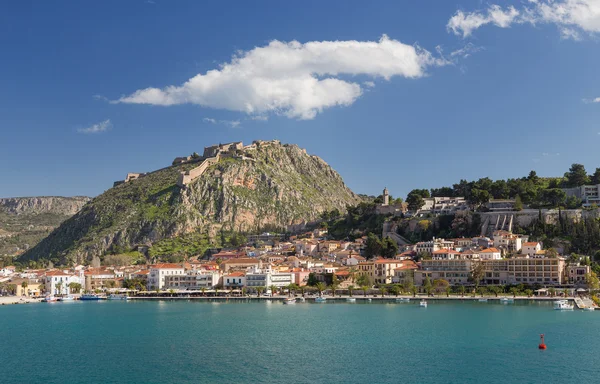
(49, 299)
(89, 297)
(563, 305)
(117, 296)
(289, 301)
(320, 299)
(483, 300)
(423, 303)
(507, 300)
(403, 300)
(66, 298)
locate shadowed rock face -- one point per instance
(271, 185)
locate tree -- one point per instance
(482, 291)
(363, 280)
(273, 290)
(478, 197)
(259, 291)
(24, 286)
(320, 287)
(333, 287)
(373, 246)
(75, 287)
(592, 282)
(577, 176)
(554, 197)
(533, 177)
(448, 290)
(350, 289)
(495, 290)
(528, 292)
(364, 288)
(462, 290)
(518, 203)
(389, 248)
(414, 290)
(59, 287)
(552, 291)
(478, 273)
(414, 201)
(595, 178)
(395, 290)
(382, 291)
(427, 285)
(514, 291)
(312, 279)
(551, 253)
(440, 285)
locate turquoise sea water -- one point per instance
(200, 342)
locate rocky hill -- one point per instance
(24, 221)
(241, 189)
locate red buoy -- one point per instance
(542, 345)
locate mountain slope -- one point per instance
(261, 186)
(24, 221)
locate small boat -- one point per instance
(351, 299)
(49, 299)
(290, 300)
(89, 297)
(563, 305)
(301, 299)
(403, 300)
(423, 303)
(320, 299)
(589, 309)
(369, 299)
(66, 298)
(483, 300)
(507, 300)
(117, 296)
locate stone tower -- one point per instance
(386, 196)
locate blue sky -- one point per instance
(518, 93)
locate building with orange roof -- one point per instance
(156, 277)
(531, 248)
(384, 270)
(234, 280)
(490, 254)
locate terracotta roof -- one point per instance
(245, 260)
(237, 274)
(530, 244)
(57, 273)
(443, 251)
(166, 266)
(490, 250)
(388, 261)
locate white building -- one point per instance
(156, 277)
(266, 277)
(490, 254)
(234, 280)
(531, 248)
(57, 282)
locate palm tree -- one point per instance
(171, 292)
(528, 292)
(395, 290)
(320, 287)
(514, 291)
(216, 291)
(244, 291)
(59, 287)
(495, 290)
(24, 286)
(482, 291)
(333, 287)
(350, 289)
(414, 290)
(364, 289)
(273, 290)
(382, 291)
(462, 290)
(259, 291)
(448, 289)
(552, 291)
(203, 289)
(302, 290)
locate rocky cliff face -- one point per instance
(24, 221)
(273, 185)
(67, 206)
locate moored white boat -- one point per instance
(563, 305)
(320, 299)
(507, 300)
(589, 309)
(290, 300)
(351, 299)
(403, 300)
(49, 299)
(301, 299)
(117, 296)
(483, 300)
(423, 303)
(66, 298)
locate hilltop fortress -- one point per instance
(210, 156)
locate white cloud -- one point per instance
(229, 123)
(369, 84)
(571, 16)
(293, 79)
(259, 118)
(466, 23)
(100, 127)
(588, 101)
(596, 100)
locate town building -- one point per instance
(455, 271)
(384, 270)
(531, 248)
(158, 272)
(526, 270)
(57, 282)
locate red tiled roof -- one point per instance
(237, 274)
(166, 266)
(490, 250)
